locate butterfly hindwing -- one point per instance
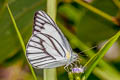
(41, 51)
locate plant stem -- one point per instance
(77, 78)
(50, 74)
(97, 11)
(117, 3)
(21, 40)
(70, 75)
(51, 8)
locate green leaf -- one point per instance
(97, 57)
(21, 40)
(92, 27)
(23, 10)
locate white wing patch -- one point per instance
(47, 47)
(43, 52)
(51, 28)
(35, 44)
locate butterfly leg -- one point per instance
(69, 67)
(66, 68)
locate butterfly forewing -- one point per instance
(47, 46)
(41, 18)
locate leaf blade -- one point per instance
(20, 39)
(101, 53)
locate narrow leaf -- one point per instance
(79, 44)
(100, 54)
(20, 39)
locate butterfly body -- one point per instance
(48, 47)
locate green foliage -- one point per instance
(23, 12)
(96, 25)
(97, 57)
(108, 69)
(84, 24)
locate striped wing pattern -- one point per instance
(47, 46)
(42, 18)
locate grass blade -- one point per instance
(95, 60)
(20, 39)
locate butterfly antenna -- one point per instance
(88, 49)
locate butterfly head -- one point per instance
(74, 57)
(74, 64)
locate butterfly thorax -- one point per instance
(72, 58)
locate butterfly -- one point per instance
(48, 47)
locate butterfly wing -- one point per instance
(41, 52)
(47, 47)
(40, 19)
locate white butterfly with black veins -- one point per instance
(48, 47)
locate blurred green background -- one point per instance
(89, 27)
